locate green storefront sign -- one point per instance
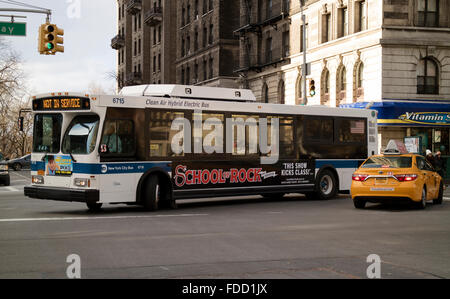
(13, 29)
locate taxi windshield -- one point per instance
(388, 162)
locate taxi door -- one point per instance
(428, 177)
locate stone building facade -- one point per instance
(145, 42)
(207, 50)
(359, 51)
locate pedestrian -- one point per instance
(429, 157)
(439, 164)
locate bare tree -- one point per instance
(12, 92)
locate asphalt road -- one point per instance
(246, 237)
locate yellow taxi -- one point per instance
(396, 176)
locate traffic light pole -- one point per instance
(47, 12)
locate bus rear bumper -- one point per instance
(63, 194)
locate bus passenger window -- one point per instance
(162, 135)
(118, 136)
(351, 131)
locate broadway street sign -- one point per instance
(13, 29)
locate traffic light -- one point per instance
(312, 88)
(50, 39)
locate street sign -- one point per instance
(13, 29)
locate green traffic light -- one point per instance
(50, 46)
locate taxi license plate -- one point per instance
(382, 189)
(381, 181)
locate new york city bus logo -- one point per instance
(242, 136)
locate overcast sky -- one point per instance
(89, 26)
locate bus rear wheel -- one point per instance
(326, 185)
(152, 194)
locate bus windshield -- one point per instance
(81, 135)
(47, 133)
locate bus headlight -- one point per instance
(37, 179)
(82, 183)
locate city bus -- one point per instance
(153, 145)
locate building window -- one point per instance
(205, 70)
(205, 6)
(211, 34)
(343, 22)
(139, 46)
(358, 93)
(154, 35)
(210, 4)
(196, 40)
(286, 44)
(159, 34)
(341, 85)
(135, 48)
(188, 45)
(299, 91)
(325, 87)
(360, 16)
(154, 64)
(205, 34)
(182, 77)
(306, 38)
(427, 77)
(211, 68)
(196, 9)
(281, 92)
(269, 9)
(326, 28)
(188, 14)
(183, 12)
(188, 75)
(269, 50)
(196, 73)
(265, 93)
(159, 62)
(428, 13)
(183, 47)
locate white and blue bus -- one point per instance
(152, 145)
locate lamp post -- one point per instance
(305, 99)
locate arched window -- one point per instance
(341, 85)
(281, 93)
(299, 91)
(265, 94)
(358, 75)
(325, 87)
(427, 77)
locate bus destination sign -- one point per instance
(61, 103)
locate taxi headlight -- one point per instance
(82, 183)
(37, 179)
(3, 167)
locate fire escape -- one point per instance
(249, 60)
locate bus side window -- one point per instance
(118, 136)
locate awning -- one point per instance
(408, 113)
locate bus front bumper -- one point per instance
(63, 194)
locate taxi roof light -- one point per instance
(396, 147)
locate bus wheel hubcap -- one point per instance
(326, 184)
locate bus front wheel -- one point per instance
(326, 185)
(152, 193)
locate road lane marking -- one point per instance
(96, 218)
(22, 176)
(9, 189)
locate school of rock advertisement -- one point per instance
(205, 174)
